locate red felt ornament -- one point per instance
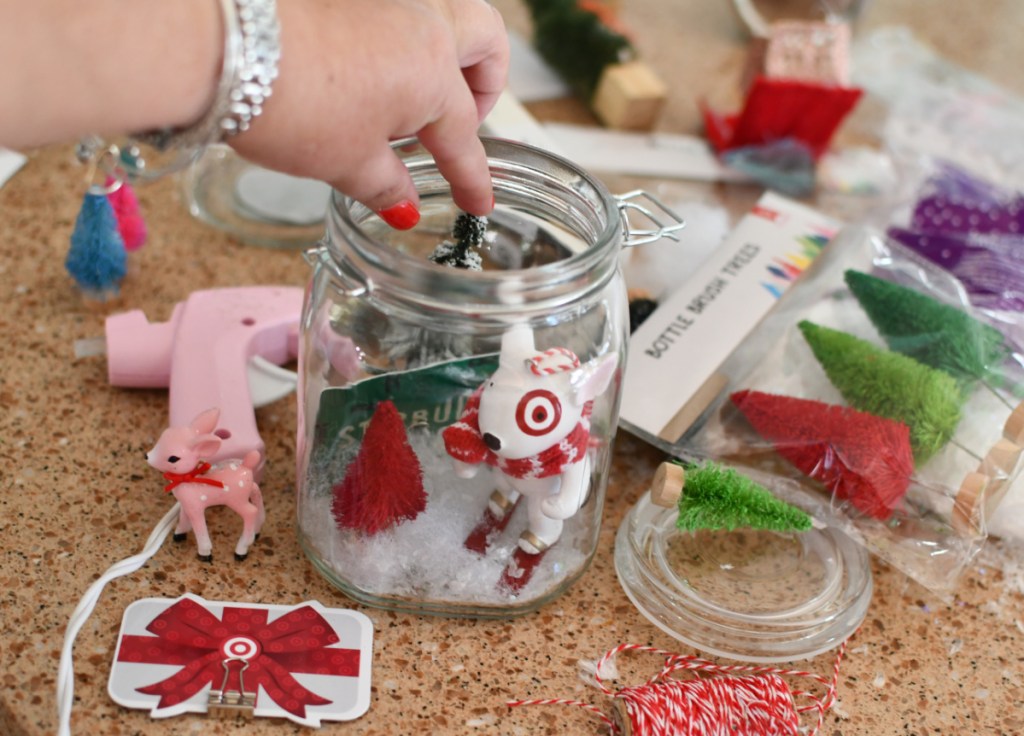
(383, 485)
(777, 109)
(858, 456)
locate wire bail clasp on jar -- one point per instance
(635, 202)
(319, 257)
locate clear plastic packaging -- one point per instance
(923, 510)
(954, 137)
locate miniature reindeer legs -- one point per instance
(530, 423)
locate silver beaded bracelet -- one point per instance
(252, 49)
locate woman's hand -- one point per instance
(357, 74)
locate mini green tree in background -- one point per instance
(936, 334)
(576, 42)
(713, 497)
(891, 385)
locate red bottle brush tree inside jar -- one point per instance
(383, 485)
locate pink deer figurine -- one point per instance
(530, 422)
(180, 454)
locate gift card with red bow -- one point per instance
(306, 663)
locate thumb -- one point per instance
(382, 183)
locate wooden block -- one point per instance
(667, 486)
(1001, 460)
(629, 96)
(967, 507)
(1013, 430)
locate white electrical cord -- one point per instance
(66, 671)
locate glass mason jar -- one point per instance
(455, 426)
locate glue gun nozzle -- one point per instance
(89, 347)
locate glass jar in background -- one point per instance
(455, 426)
(259, 206)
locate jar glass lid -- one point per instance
(746, 594)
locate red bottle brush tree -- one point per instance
(859, 457)
(887, 384)
(936, 334)
(383, 485)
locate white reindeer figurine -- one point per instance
(180, 455)
(530, 422)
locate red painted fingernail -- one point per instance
(402, 216)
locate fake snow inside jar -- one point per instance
(455, 426)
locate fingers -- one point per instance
(381, 182)
(460, 155)
(486, 82)
(483, 54)
(474, 82)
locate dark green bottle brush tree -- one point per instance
(888, 384)
(936, 334)
(939, 335)
(468, 232)
(577, 43)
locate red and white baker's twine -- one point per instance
(744, 700)
(553, 360)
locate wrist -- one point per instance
(193, 91)
(275, 112)
(248, 65)
(251, 50)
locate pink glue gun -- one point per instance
(205, 352)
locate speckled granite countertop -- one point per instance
(76, 495)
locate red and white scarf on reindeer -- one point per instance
(464, 442)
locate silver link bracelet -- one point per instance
(252, 50)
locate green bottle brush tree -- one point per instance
(468, 232)
(712, 497)
(941, 336)
(936, 334)
(576, 42)
(890, 385)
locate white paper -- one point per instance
(530, 78)
(666, 155)
(679, 348)
(509, 119)
(10, 162)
